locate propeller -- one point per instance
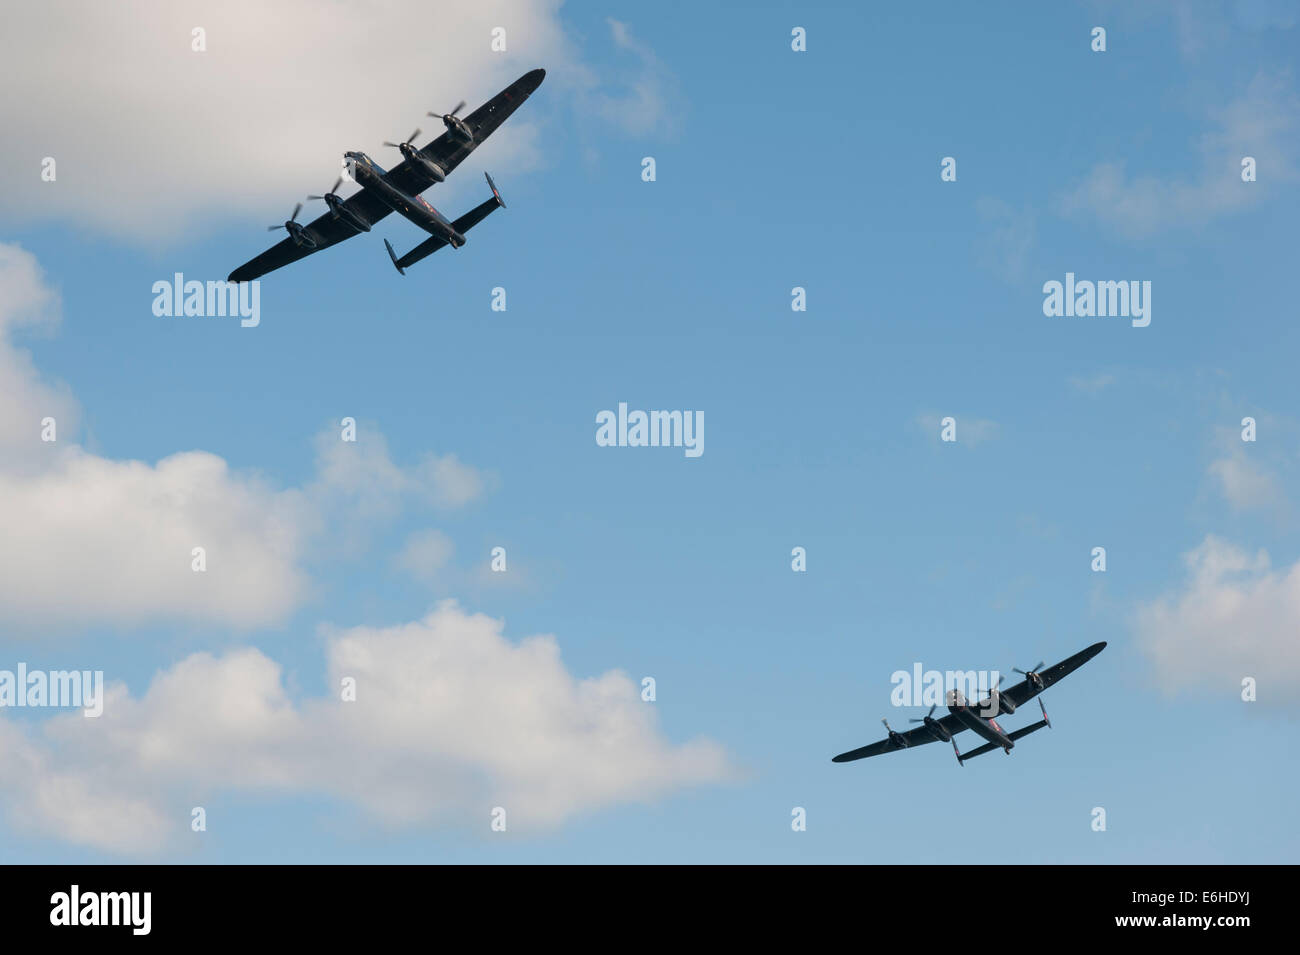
(410, 141)
(1032, 675)
(285, 225)
(443, 116)
(333, 189)
(922, 719)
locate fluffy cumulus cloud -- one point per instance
(450, 720)
(91, 539)
(1235, 616)
(165, 139)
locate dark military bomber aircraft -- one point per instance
(962, 716)
(398, 190)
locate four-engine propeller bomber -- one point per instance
(963, 716)
(398, 190)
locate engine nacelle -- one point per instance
(1005, 706)
(937, 730)
(339, 209)
(458, 129)
(433, 169)
(299, 235)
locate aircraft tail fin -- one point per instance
(393, 255)
(481, 211)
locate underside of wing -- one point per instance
(323, 232)
(917, 736)
(1026, 689)
(449, 152)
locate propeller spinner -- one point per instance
(1032, 674)
(933, 725)
(295, 229)
(455, 125)
(408, 143)
(286, 224)
(333, 190)
(895, 737)
(339, 209)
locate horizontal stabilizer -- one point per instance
(978, 751)
(461, 225)
(1032, 727)
(990, 747)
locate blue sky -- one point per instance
(775, 169)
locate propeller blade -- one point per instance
(272, 228)
(411, 138)
(915, 720)
(394, 145)
(337, 182)
(315, 197)
(296, 209)
(933, 708)
(459, 107)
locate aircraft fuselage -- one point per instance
(987, 728)
(371, 177)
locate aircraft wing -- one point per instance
(448, 152)
(917, 736)
(1024, 691)
(325, 230)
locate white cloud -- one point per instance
(646, 92)
(363, 471)
(89, 539)
(1261, 123)
(1246, 484)
(27, 301)
(450, 720)
(424, 554)
(1234, 617)
(95, 540)
(154, 141)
